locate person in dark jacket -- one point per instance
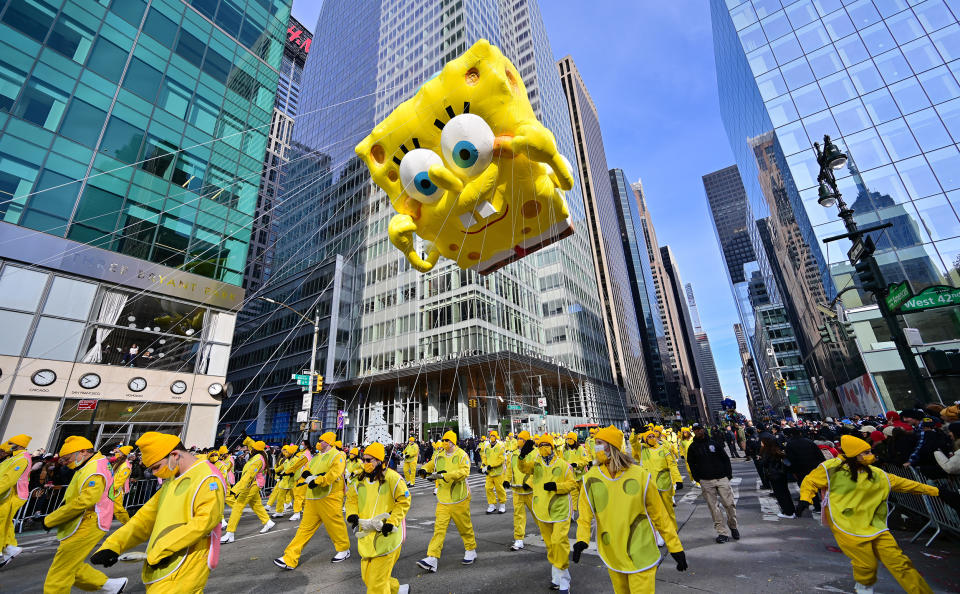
(772, 458)
(802, 456)
(931, 440)
(710, 466)
(731, 438)
(752, 451)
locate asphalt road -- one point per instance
(774, 555)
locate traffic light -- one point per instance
(871, 279)
(319, 385)
(781, 384)
(472, 403)
(826, 333)
(847, 331)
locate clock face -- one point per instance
(137, 384)
(178, 387)
(215, 389)
(89, 381)
(44, 377)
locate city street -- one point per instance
(773, 555)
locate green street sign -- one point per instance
(301, 377)
(932, 298)
(898, 294)
(303, 382)
(514, 407)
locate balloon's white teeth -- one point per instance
(467, 220)
(485, 209)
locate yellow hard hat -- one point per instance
(593, 431)
(510, 434)
(375, 450)
(329, 437)
(450, 436)
(20, 440)
(611, 435)
(156, 446)
(354, 451)
(75, 443)
(5, 447)
(483, 438)
(125, 450)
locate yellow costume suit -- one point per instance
(579, 460)
(323, 505)
(520, 484)
(295, 469)
(453, 499)
(411, 456)
(493, 459)
(247, 492)
(118, 490)
(11, 471)
(660, 462)
(368, 499)
(552, 509)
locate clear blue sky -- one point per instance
(650, 71)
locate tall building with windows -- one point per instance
(756, 402)
(728, 204)
(621, 326)
(448, 347)
(706, 366)
(878, 78)
(131, 142)
(263, 237)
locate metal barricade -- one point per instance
(911, 502)
(44, 500)
(941, 515)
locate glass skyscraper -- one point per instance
(880, 77)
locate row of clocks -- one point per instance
(90, 381)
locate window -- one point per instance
(30, 17)
(121, 140)
(129, 10)
(69, 298)
(157, 156)
(54, 194)
(142, 79)
(107, 59)
(71, 39)
(190, 48)
(174, 98)
(160, 28)
(21, 288)
(41, 104)
(56, 339)
(15, 328)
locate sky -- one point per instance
(649, 69)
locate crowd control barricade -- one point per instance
(938, 515)
(43, 500)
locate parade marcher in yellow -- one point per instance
(411, 456)
(510, 442)
(121, 467)
(14, 490)
(225, 465)
(282, 494)
(519, 482)
(323, 505)
(180, 523)
(278, 465)
(623, 500)
(577, 457)
(450, 468)
(82, 520)
(553, 481)
(377, 503)
(658, 459)
(247, 490)
(354, 466)
(296, 467)
(493, 463)
(855, 508)
(590, 442)
(684, 440)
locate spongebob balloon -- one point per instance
(469, 168)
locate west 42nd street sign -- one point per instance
(932, 297)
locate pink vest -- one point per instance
(261, 478)
(23, 483)
(308, 455)
(213, 557)
(104, 507)
(231, 479)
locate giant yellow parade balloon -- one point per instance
(469, 168)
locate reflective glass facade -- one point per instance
(139, 126)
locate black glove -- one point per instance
(353, 520)
(387, 529)
(680, 486)
(506, 484)
(159, 562)
(306, 473)
(45, 527)
(527, 448)
(802, 507)
(681, 560)
(312, 484)
(578, 548)
(104, 557)
(422, 473)
(951, 498)
(573, 464)
(551, 486)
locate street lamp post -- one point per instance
(313, 351)
(831, 158)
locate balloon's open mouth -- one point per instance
(483, 207)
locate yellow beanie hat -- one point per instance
(329, 437)
(20, 440)
(223, 450)
(156, 446)
(853, 446)
(248, 441)
(593, 431)
(523, 435)
(412, 439)
(611, 435)
(545, 440)
(375, 450)
(125, 450)
(571, 435)
(339, 444)
(75, 443)
(354, 451)
(4, 447)
(494, 434)
(451, 436)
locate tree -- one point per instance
(377, 429)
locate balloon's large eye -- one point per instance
(413, 175)
(467, 144)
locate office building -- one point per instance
(131, 143)
(446, 348)
(877, 78)
(728, 203)
(706, 366)
(639, 269)
(756, 403)
(263, 237)
(621, 327)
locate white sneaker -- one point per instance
(223, 524)
(861, 589)
(295, 517)
(469, 557)
(269, 508)
(266, 527)
(563, 579)
(491, 508)
(502, 509)
(114, 586)
(428, 563)
(341, 556)
(404, 589)
(287, 507)
(434, 490)
(790, 517)
(4, 559)
(517, 545)
(660, 541)
(11, 551)
(228, 537)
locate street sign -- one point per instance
(514, 407)
(87, 405)
(302, 377)
(307, 401)
(340, 416)
(856, 252)
(932, 298)
(302, 417)
(541, 402)
(898, 294)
